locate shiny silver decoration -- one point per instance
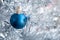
(44, 23)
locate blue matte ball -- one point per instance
(18, 21)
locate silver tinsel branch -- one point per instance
(44, 23)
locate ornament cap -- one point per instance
(18, 9)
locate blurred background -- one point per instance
(44, 23)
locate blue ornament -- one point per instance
(18, 21)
